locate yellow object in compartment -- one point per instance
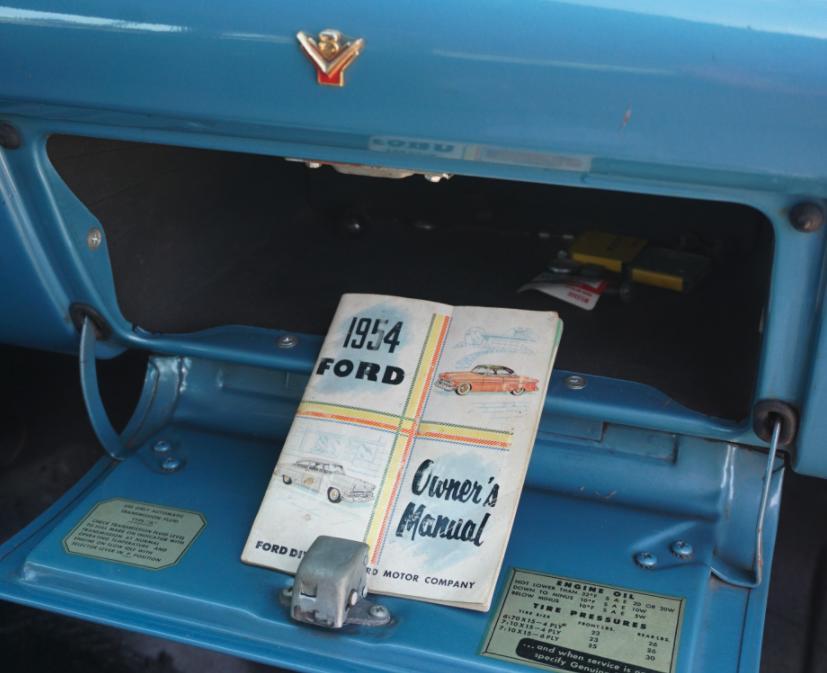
(658, 279)
(611, 251)
(670, 269)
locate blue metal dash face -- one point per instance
(611, 84)
(568, 524)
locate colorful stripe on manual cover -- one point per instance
(406, 427)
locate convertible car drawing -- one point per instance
(328, 478)
(486, 379)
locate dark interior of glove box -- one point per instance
(202, 238)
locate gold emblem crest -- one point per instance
(331, 55)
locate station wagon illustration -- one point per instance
(486, 379)
(327, 478)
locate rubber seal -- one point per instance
(764, 415)
(78, 312)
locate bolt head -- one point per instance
(575, 382)
(378, 611)
(807, 217)
(94, 238)
(287, 341)
(682, 549)
(171, 464)
(162, 446)
(353, 599)
(646, 560)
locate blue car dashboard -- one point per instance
(201, 182)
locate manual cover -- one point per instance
(414, 436)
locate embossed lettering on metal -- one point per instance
(331, 55)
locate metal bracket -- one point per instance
(157, 398)
(101, 424)
(331, 584)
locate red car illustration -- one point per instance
(486, 379)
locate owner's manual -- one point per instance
(413, 435)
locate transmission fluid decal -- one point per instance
(136, 533)
(561, 624)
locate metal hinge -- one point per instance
(331, 584)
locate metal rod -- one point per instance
(758, 562)
(762, 508)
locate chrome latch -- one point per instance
(331, 584)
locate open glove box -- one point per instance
(192, 187)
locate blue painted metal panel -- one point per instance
(33, 303)
(580, 516)
(681, 98)
(811, 456)
(681, 83)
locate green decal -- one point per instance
(136, 533)
(561, 624)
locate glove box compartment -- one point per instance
(228, 266)
(202, 239)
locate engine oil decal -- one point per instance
(562, 624)
(135, 533)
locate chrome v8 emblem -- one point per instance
(331, 55)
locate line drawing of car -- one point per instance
(328, 478)
(487, 379)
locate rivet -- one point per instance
(94, 238)
(575, 382)
(378, 611)
(170, 464)
(287, 341)
(162, 446)
(807, 217)
(646, 560)
(354, 598)
(682, 549)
